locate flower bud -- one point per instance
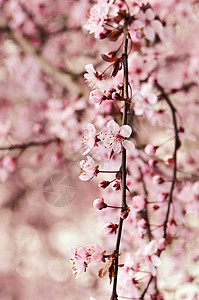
(152, 163)
(110, 228)
(124, 214)
(157, 179)
(150, 149)
(116, 185)
(103, 184)
(96, 96)
(99, 204)
(9, 163)
(162, 196)
(139, 202)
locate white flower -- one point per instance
(88, 138)
(144, 99)
(115, 139)
(95, 79)
(88, 169)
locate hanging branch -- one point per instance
(176, 147)
(123, 167)
(30, 144)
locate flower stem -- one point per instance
(123, 167)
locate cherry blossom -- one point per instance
(115, 139)
(88, 169)
(89, 138)
(150, 26)
(143, 100)
(95, 80)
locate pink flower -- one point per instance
(116, 137)
(110, 228)
(95, 254)
(96, 96)
(78, 257)
(95, 79)
(153, 260)
(97, 16)
(116, 185)
(9, 163)
(148, 24)
(99, 204)
(88, 169)
(81, 257)
(88, 138)
(139, 203)
(150, 149)
(144, 100)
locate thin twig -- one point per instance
(30, 144)
(176, 147)
(123, 168)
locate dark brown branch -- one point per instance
(176, 147)
(123, 167)
(146, 214)
(30, 144)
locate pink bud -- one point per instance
(162, 197)
(37, 128)
(110, 228)
(157, 179)
(9, 163)
(155, 207)
(103, 184)
(96, 96)
(116, 185)
(139, 202)
(161, 244)
(152, 163)
(150, 149)
(116, 96)
(124, 214)
(99, 204)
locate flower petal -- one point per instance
(128, 145)
(125, 131)
(113, 127)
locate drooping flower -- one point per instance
(115, 139)
(110, 228)
(153, 260)
(88, 169)
(143, 100)
(97, 16)
(81, 257)
(89, 138)
(94, 78)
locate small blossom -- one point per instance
(110, 228)
(157, 179)
(150, 149)
(99, 204)
(81, 257)
(95, 79)
(124, 214)
(116, 185)
(116, 137)
(103, 184)
(144, 100)
(89, 138)
(88, 169)
(139, 203)
(9, 163)
(96, 96)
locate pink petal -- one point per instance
(113, 127)
(125, 131)
(149, 33)
(128, 145)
